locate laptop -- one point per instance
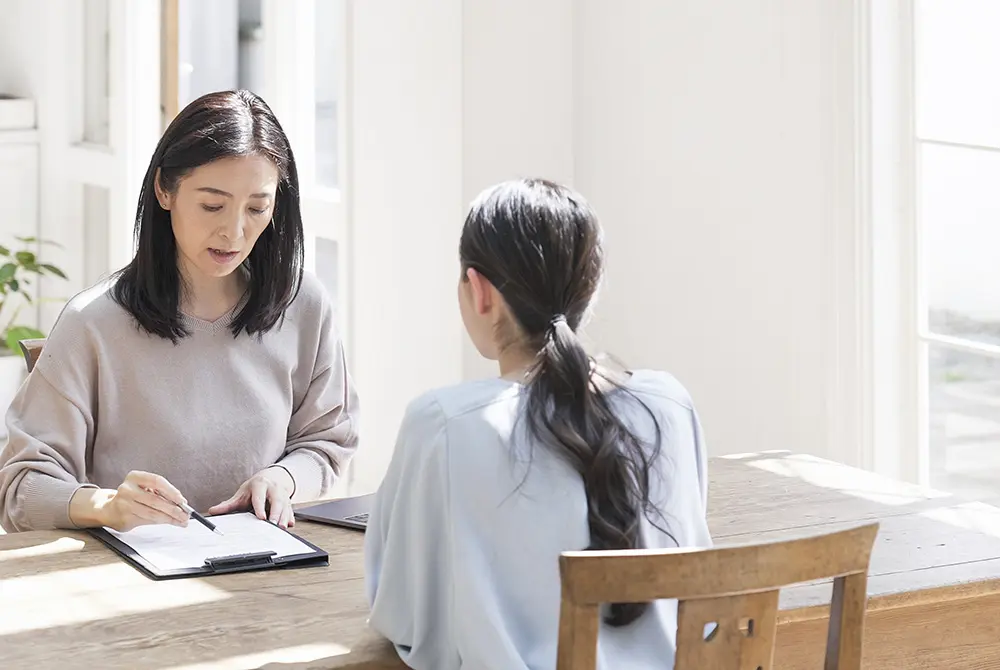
(345, 512)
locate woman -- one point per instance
(207, 371)
(491, 480)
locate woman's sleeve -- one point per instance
(408, 545)
(323, 429)
(50, 427)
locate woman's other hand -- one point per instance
(267, 494)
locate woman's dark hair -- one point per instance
(218, 125)
(540, 245)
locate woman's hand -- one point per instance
(267, 494)
(143, 498)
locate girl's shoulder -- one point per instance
(660, 385)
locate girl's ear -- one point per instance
(483, 297)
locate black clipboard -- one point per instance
(219, 564)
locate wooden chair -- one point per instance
(734, 587)
(31, 349)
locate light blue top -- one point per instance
(463, 542)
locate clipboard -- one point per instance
(216, 565)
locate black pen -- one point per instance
(200, 519)
(192, 513)
(197, 517)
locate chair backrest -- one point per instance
(31, 349)
(735, 588)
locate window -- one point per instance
(327, 49)
(219, 47)
(96, 120)
(957, 151)
(292, 54)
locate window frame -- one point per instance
(926, 337)
(898, 334)
(894, 358)
(118, 167)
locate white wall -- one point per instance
(406, 197)
(446, 101)
(517, 104)
(714, 140)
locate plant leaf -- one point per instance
(35, 240)
(4, 251)
(17, 333)
(25, 258)
(7, 271)
(14, 286)
(27, 296)
(53, 269)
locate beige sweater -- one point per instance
(106, 398)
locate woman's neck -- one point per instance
(210, 298)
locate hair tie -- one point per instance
(554, 322)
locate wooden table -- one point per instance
(67, 602)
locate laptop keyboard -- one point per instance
(358, 518)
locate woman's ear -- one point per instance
(161, 196)
(482, 292)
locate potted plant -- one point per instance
(18, 271)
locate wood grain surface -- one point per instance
(934, 581)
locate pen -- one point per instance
(192, 513)
(200, 519)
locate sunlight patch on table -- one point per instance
(301, 654)
(81, 595)
(837, 477)
(974, 516)
(61, 546)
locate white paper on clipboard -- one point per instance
(169, 547)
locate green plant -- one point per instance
(16, 273)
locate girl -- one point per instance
(491, 480)
(207, 371)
